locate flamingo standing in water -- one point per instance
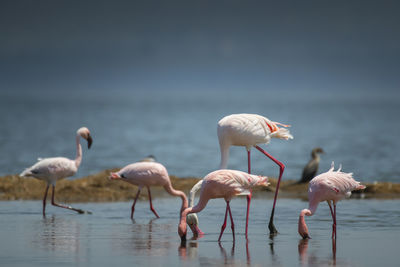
(53, 169)
(250, 130)
(147, 173)
(330, 186)
(221, 184)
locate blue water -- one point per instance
(368, 235)
(357, 129)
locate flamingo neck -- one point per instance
(182, 228)
(224, 156)
(177, 193)
(78, 158)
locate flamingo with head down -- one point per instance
(331, 187)
(221, 184)
(53, 169)
(147, 174)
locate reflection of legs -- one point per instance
(271, 225)
(248, 196)
(224, 224)
(62, 206)
(134, 202)
(44, 200)
(151, 204)
(232, 224)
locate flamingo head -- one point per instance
(303, 230)
(182, 230)
(193, 222)
(114, 176)
(85, 134)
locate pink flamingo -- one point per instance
(148, 174)
(250, 130)
(330, 186)
(221, 184)
(53, 169)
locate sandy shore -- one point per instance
(97, 188)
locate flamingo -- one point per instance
(147, 173)
(330, 186)
(250, 130)
(310, 170)
(53, 169)
(221, 184)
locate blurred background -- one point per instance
(154, 77)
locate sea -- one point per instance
(357, 129)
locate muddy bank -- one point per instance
(98, 188)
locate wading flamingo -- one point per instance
(250, 130)
(221, 184)
(330, 186)
(148, 174)
(310, 170)
(53, 169)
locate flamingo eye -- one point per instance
(122, 176)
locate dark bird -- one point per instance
(310, 170)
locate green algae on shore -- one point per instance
(98, 188)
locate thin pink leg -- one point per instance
(333, 218)
(271, 225)
(151, 204)
(224, 224)
(248, 196)
(44, 200)
(62, 206)
(334, 212)
(134, 202)
(232, 224)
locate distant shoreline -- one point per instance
(98, 188)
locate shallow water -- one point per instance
(368, 233)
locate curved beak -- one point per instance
(89, 141)
(183, 238)
(306, 236)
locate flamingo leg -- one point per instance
(134, 202)
(334, 220)
(271, 225)
(224, 224)
(232, 224)
(62, 206)
(248, 196)
(44, 200)
(333, 217)
(151, 204)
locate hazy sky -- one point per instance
(200, 44)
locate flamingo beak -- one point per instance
(306, 236)
(183, 238)
(89, 141)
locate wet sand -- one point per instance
(98, 188)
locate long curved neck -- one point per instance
(177, 193)
(182, 222)
(224, 156)
(302, 226)
(78, 158)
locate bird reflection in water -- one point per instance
(188, 251)
(59, 234)
(227, 259)
(306, 260)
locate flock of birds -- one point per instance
(248, 130)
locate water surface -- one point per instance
(368, 233)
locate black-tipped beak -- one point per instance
(183, 238)
(89, 141)
(306, 236)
